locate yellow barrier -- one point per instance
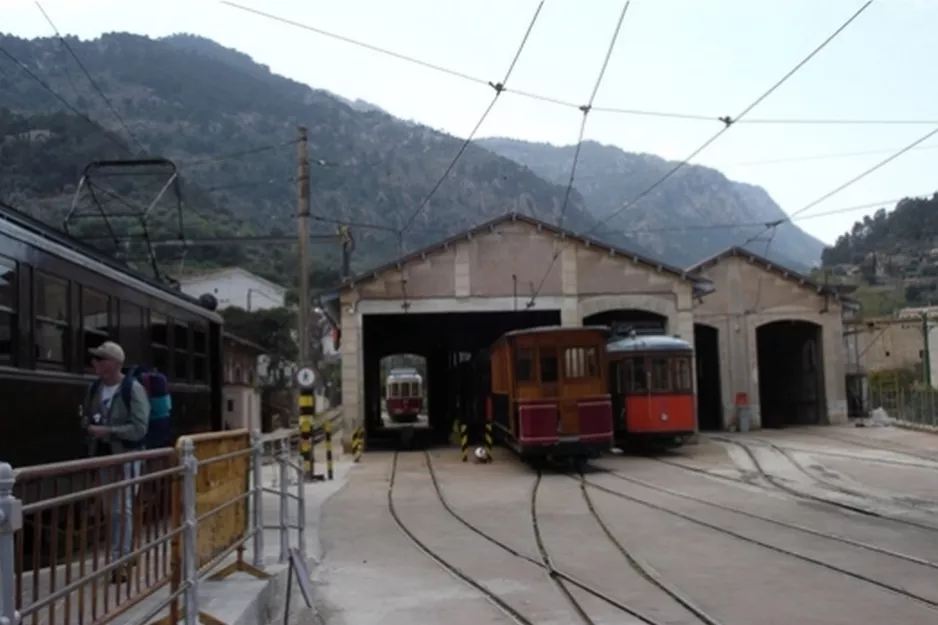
(222, 508)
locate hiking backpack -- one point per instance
(161, 405)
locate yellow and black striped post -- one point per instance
(327, 431)
(488, 440)
(358, 443)
(464, 441)
(307, 405)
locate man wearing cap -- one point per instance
(115, 427)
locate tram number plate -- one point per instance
(568, 439)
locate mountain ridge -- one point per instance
(197, 102)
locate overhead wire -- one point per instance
(728, 122)
(586, 108)
(556, 100)
(499, 88)
(123, 146)
(107, 101)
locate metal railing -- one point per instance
(90, 540)
(918, 406)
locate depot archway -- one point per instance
(791, 373)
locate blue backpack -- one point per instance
(161, 405)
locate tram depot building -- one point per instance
(759, 330)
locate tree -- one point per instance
(272, 329)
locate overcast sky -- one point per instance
(709, 57)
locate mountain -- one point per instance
(229, 124)
(680, 219)
(892, 257)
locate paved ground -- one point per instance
(821, 526)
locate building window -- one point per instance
(51, 340)
(95, 320)
(8, 286)
(230, 405)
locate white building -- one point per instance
(234, 286)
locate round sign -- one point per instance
(305, 377)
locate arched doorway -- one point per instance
(709, 386)
(791, 373)
(642, 321)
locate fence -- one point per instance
(906, 404)
(89, 540)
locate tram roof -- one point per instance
(648, 343)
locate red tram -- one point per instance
(548, 395)
(652, 387)
(404, 395)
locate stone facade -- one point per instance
(750, 292)
(501, 268)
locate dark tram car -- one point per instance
(59, 298)
(652, 390)
(549, 395)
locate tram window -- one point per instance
(95, 320)
(683, 382)
(181, 351)
(199, 354)
(51, 297)
(7, 308)
(637, 381)
(549, 365)
(395, 390)
(159, 342)
(405, 389)
(132, 331)
(660, 374)
(579, 362)
(524, 365)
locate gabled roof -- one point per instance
(490, 225)
(803, 280)
(227, 271)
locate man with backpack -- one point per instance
(116, 415)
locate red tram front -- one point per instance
(652, 387)
(404, 396)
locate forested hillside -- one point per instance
(892, 256)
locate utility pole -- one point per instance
(926, 351)
(302, 213)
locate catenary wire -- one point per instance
(123, 146)
(107, 101)
(561, 101)
(498, 88)
(585, 109)
(848, 183)
(727, 123)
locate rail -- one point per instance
(133, 535)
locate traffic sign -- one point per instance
(305, 377)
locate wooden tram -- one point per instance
(548, 395)
(404, 395)
(652, 388)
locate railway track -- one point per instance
(779, 484)
(931, 604)
(752, 515)
(563, 578)
(898, 449)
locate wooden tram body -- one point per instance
(652, 388)
(404, 395)
(58, 298)
(548, 394)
